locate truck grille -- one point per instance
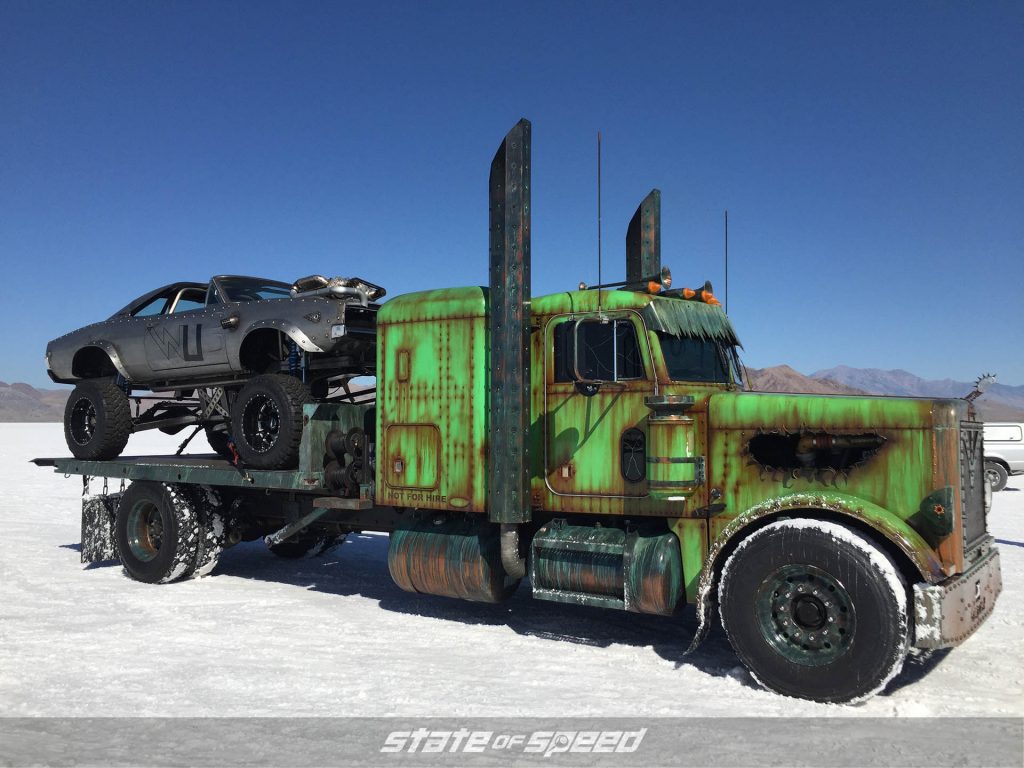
(972, 492)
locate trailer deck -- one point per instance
(201, 469)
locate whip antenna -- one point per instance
(599, 220)
(727, 261)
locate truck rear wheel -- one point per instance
(97, 420)
(815, 611)
(997, 475)
(158, 532)
(217, 527)
(266, 421)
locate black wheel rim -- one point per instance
(806, 615)
(145, 531)
(83, 421)
(261, 423)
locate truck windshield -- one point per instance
(691, 359)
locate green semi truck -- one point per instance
(600, 443)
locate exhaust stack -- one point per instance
(643, 240)
(508, 488)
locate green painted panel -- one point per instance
(896, 477)
(413, 456)
(440, 304)
(432, 384)
(775, 411)
(672, 462)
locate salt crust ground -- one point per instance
(334, 637)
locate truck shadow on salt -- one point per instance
(359, 567)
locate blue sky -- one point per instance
(870, 157)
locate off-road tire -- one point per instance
(97, 420)
(218, 438)
(266, 421)
(997, 475)
(815, 611)
(158, 532)
(216, 523)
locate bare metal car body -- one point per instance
(190, 334)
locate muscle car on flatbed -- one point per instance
(236, 355)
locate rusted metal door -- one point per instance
(597, 376)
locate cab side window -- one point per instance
(606, 351)
(155, 307)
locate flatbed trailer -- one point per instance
(601, 443)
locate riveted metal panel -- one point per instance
(432, 400)
(508, 477)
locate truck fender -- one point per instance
(111, 351)
(886, 524)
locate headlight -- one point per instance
(337, 331)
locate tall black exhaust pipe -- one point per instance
(508, 473)
(643, 240)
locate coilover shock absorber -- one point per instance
(294, 359)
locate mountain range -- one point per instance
(22, 402)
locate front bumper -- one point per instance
(947, 613)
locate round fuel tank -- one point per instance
(579, 559)
(655, 574)
(637, 570)
(456, 558)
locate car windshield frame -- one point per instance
(226, 284)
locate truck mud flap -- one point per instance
(98, 527)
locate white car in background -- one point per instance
(1004, 452)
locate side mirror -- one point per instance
(587, 388)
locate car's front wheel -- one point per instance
(97, 420)
(266, 421)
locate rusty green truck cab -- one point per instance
(618, 433)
